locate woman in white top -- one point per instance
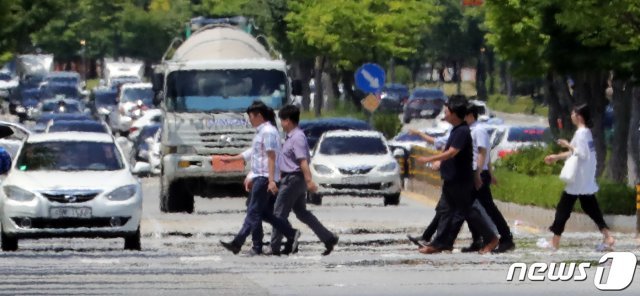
(583, 186)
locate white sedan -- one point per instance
(507, 140)
(355, 163)
(70, 185)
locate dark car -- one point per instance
(43, 121)
(314, 129)
(25, 101)
(90, 126)
(103, 102)
(424, 103)
(393, 97)
(51, 91)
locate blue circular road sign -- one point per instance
(370, 78)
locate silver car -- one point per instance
(70, 185)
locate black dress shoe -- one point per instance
(417, 241)
(291, 246)
(474, 247)
(505, 246)
(329, 245)
(235, 249)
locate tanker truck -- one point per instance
(204, 89)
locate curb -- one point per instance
(536, 217)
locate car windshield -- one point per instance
(225, 90)
(106, 98)
(353, 145)
(78, 126)
(139, 93)
(69, 107)
(5, 77)
(428, 94)
(68, 91)
(64, 80)
(522, 134)
(69, 156)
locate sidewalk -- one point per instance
(532, 216)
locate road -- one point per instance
(181, 256)
(509, 119)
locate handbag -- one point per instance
(569, 170)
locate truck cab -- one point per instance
(205, 89)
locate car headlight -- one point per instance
(123, 193)
(322, 169)
(18, 194)
(389, 167)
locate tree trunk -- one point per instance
(317, 77)
(481, 78)
(553, 101)
(590, 89)
(456, 77)
(503, 77)
(347, 81)
(617, 168)
(633, 140)
(565, 103)
(491, 72)
(306, 66)
(509, 83)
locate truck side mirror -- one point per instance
(296, 87)
(157, 80)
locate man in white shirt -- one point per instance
(265, 174)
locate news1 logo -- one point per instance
(621, 270)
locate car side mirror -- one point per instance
(141, 168)
(296, 87)
(398, 153)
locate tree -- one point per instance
(349, 33)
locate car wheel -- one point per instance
(177, 199)
(406, 120)
(132, 242)
(314, 198)
(392, 199)
(8, 243)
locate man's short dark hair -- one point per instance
(260, 108)
(290, 112)
(458, 106)
(473, 109)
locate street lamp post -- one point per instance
(84, 65)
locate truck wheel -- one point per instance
(314, 198)
(8, 243)
(177, 199)
(392, 199)
(132, 242)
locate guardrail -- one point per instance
(411, 169)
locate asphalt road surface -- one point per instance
(181, 255)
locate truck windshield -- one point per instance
(224, 90)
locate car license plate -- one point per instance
(70, 212)
(426, 112)
(226, 167)
(354, 180)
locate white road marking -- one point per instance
(200, 259)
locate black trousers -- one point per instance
(484, 196)
(563, 211)
(458, 199)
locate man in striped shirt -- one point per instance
(265, 174)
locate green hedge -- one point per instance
(545, 190)
(530, 161)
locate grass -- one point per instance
(342, 109)
(521, 104)
(545, 191)
(92, 83)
